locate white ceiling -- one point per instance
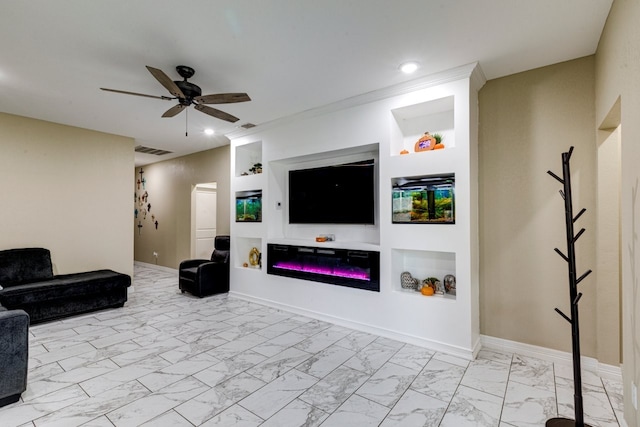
(288, 55)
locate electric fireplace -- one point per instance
(344, 267)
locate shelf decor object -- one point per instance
(426, 143)
(255, 257)
(407, 281)
(574, 295)
(249, 206)
(423, 199)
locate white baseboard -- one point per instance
(156, 267)
(588, 363)
(398, 336)
(601, 369)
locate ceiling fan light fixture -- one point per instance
(409, 67)
(187, 94)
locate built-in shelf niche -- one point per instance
(411, 122)
(247, 156)
(422, 264)
(242, 252)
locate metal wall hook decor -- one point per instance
(574, 295)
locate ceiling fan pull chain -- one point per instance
(186, 124)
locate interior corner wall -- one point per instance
(526, 121)
(68, 190)
(169, 184)
(618, 79)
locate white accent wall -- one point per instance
(377, 125)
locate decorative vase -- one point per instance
(450, 284)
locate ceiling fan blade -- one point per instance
(137, 94)
(222, 98)
(166, 82)
(173, 110)
(216, 113)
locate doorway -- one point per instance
(203, 219)
(608, 241)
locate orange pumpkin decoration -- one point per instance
(439, 145)
(426, 143)
(427, 291)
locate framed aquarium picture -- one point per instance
(249, 206)
(424, 200)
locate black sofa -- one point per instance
(14, 354)
(203, 277)
(27, 282)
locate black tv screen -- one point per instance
(338, 194)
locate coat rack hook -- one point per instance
(563, 315)
(579, 279)
(556, 177)
(577, 236)
(579, 214)
(561, 254)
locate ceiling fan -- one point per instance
(188, 93)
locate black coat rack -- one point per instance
(574, 295)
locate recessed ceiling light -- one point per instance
(208, 131)
(409, 67)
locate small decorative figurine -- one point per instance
(407, 281)
(256, 168)
(254, 257)
(439, 145)
(450, 284)
(432, 282)
(425, 143)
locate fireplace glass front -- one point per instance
(345, 267)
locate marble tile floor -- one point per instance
(170, 359)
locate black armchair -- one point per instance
(202, 277)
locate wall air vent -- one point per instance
(149, 150)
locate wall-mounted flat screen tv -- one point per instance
(337, 194)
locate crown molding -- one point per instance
(471, 71)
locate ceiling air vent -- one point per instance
(149, 150)
(248, 125)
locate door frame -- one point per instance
(209, 186)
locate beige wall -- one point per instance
(66, 189)
(169, 185)
(526, 121)
(618, 78)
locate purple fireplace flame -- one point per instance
(327, 271)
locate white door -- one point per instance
(205, 220)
